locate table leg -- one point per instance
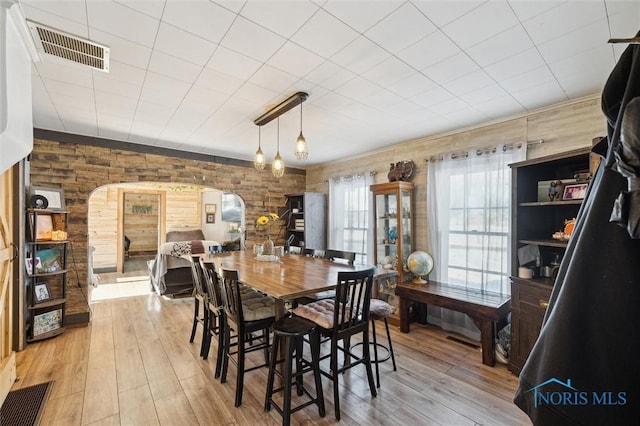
(404, 314)
(487, 340)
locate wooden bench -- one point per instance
(485, 309)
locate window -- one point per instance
(469, 200)
(349, 215)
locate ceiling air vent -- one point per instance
(70, 47)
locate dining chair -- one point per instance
(339, 255)
(200, 308)
(345, 316)
(244, 316)
(216, 311)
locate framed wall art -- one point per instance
(54, 197)
(575, 192)
(47, 322)
(41, 292)
(210, 208)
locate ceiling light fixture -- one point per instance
(284, 106)
(302, 153)
(259, 162)
(277, 167)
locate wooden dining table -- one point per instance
(290, 278)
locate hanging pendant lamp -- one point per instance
(259, 162)
(277, 167)
(302, 153)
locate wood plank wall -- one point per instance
(563, 128)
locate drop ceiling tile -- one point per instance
(599, 57)
(432, 97)
(531, 78)
(122, 72)
(160, 89)
(473, 27)
(153, 8)
(65, 71)
(257, 96)
(273, 79)
(358, 16)
(204, 19)
(80, 126)
(332, 101)
(111, 133)
(114, 18)
(116, 88)
(122, 50)
(503, 106)
(181, 44)
(295, 60)
(428, 51)
(207, 100)
(413, 84)
(536, 97)
(360, 55)
(442, 12)
(402, 28)
(281, 17)
(329, 75)
(173, 67)
(465, 117)
(358, 88)
(216, 80)
(388, 72)
(73, 114)
(335, 35)
(232, 63)
(107, 103)
(588, 37)
(526, 10)
(515, 65)
(153, 113)
(449, 106)
(484, 94)
(65, 89)
(64, 17)
(506, 44)
(232, 5)
(563, 19)
(451, 69)
(469, 83)
(252, 40)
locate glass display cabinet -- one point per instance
(392, 233)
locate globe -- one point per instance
(420, 263)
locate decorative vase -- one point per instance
(267, 246)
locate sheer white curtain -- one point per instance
(349, 206)
(468, 199)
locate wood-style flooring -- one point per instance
(133, 365)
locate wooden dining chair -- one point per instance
(244, 314)
(340, 255)
(200, 308)
(340, 319)
(216, 311)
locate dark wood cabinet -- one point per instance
(306, 220)
(535, 218)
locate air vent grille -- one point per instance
(69, 47)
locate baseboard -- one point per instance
(104, 270)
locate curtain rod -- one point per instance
(480, 151)
(337, 178)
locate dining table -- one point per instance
(291, 277)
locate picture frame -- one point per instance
(210, 208)
(46, 322)
(575, 192)
(29, 262)
(41, 292)
(50, 261)
(211, 218)
(43, 226)
(54, 196)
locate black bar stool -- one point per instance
(291, 332)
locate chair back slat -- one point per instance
(334, 255)
(231, 295)
(212, 283)
(197, 277)
(353, 298)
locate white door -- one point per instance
(7, 254)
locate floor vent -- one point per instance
(464, 342)
(69, 47)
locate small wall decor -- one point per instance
(54, 198)
(402, 170)
(41, 292)
(47, 321)
(575, 192)
(211, 218)
(210, 208)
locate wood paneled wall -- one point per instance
(563, 128)
(79, 168)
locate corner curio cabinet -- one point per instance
(393, 226)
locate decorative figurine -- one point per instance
(555, 190)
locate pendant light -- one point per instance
(277, 167)
(302, 153)
(259, 162)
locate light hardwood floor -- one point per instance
(134, 366)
